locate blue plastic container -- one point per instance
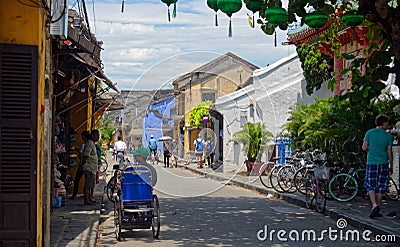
(136, 185)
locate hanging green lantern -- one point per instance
(213, 4)
(229, 7)
(254, 6)
(352, 18)
(316, 19)
(276, 15)
(168, 3)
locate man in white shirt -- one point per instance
(119, 147)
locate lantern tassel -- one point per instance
(253, 20)
(174, 11)
(230, 27)
(169, 15)
(216, 20)
(122, 7)
(275, 41)
(352, 36)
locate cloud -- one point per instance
(142, 50)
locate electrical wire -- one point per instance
(80, 81)
(94, 17)
(61, 15)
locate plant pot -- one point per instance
(253, 168)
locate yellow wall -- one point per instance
(224, 83)
(20, 24)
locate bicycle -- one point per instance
(316, 187)
(112, 185)
(103, 165)
(153, 157)
(344, 187)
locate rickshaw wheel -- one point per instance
(155, 224)
(117, 218)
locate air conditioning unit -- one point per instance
(59, 20)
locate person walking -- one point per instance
(153, 146)
(167, 154)
(90, 162)
(378, 144)
(119, 148)
(79, 172)
(198, 146)
(209, 152)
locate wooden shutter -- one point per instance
(18, 144)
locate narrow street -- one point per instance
(197, 211)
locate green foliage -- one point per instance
(198, 112)
(315, 67)
(106, 127)
(369, 83)
(336, 125)
(255, 139)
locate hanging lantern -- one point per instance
(352, 18)
(316, 19)
(276, 15)
(213, 4)
(254, 6)
(229, 7)
(168, 3)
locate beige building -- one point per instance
(219, 77)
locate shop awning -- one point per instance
(89, 60)
(109, 102)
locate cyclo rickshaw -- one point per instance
(135, 205)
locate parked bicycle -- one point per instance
(316, 182)
(344, 187)
(103, 165)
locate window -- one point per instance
(208, 96)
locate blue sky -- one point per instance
(142, 50)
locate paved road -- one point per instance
(196, 211)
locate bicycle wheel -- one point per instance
(310, 193)
(320, 196)
(117, 219)
(103, 165)
(155, 223)
(264, 177)
(343, 187)
(273, 178)
(392, 191)
(110, 189)
(298, 180)
(285, 181)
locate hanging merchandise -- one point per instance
(229, 7)
(254, 6)
(213, 4)
(168, 3)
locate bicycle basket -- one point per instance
(321, 172)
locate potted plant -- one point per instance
(255, 138)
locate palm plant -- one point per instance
(255, 139)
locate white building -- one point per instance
(274, 90)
